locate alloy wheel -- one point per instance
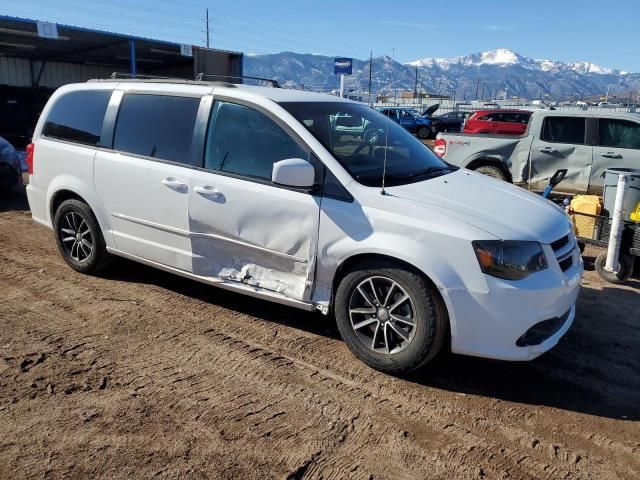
(382, 315)
(76, 237)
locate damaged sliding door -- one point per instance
(244, 228)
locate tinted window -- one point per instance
(619, 133)
(362, 152)
(156, 126)
(78, 116)
(564, 130)
(246, 142)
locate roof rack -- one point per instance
(205, 76)
(118, 76)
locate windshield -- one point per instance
(360, 137)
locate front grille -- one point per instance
(564, 248)
(558, 244)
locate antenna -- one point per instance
(386, 149)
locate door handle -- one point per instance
(174, 184)
(610, 155)
(207, 191)
(548, 150)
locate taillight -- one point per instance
(30, 149)
(440, 147)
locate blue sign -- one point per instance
(343, 66)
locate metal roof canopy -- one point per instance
(19, 38)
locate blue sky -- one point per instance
(567, 30)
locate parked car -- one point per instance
(411, 120)
(249, 189)
(586, 143)
(498, 122)
(10, 171)
(449, 122)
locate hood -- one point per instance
(496, 207)
(431, 110)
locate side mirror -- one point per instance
(293, 172)
(558, 177)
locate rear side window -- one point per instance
(78, 116)
(244, 141)
(564, 130)
(619, 133)
(158, 126)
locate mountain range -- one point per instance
(492, 74)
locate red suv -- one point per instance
(503, 122)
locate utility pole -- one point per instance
(207, 21)
(482, 95)
(370, 74)
(415, 88)
(477, 88)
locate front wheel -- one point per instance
(424, 132)
(390, 317)
(621, 272)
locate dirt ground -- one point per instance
(141, 374)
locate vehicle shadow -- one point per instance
(594, 369)
(14, 200)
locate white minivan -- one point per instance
(265, 191)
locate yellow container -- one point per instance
(635, 215)
(585, 204)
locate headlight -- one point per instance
(511, 260)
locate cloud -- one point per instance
(397, 23)
(497, 28)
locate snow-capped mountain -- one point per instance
(506, 58)
(492, 74)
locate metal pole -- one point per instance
(370, 74)
(341, 85)
(477, 88)
(615, 239)
(415, 88)
(207, 28)
(132, 58)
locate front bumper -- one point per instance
(490, 324)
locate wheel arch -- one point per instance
(489, 162)
(64, 188)
(359, 258)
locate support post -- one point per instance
(132, 58)
(617, 224)
(342, 85)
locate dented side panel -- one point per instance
(253, 233)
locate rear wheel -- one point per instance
(492, 171)
(79, 237)
(390, 317)
(621, 272)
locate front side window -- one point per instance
(564, 130)
(78, 116)
(362, 151)
(244, 141)
(619, 133)
(158, 126)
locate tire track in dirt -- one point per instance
(283, 400)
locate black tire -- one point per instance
(623, 271)
(492, 171)
(370, 136)
(431, 325)
(75, 215)
(424, 132)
